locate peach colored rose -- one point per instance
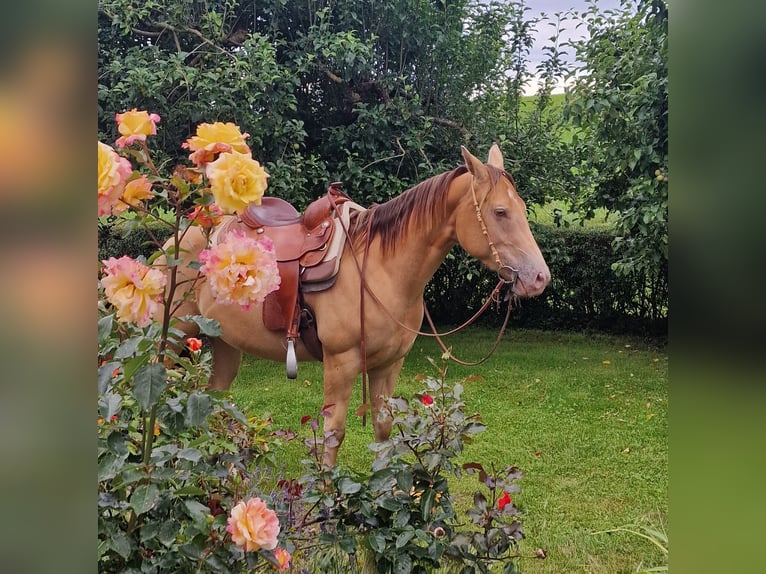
(253, 526)
(282, 557)
(113, 171)
(206, 216)
(236, 180)
(215, 138)
(241, 269)
(135, 126)
(194, 344)
(133, 288)
(136, 190)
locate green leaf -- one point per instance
(148, 384)
(168, 532)
(197, 512)
(198, 407)
(389, 503)
(128, 348)
(109, 404)
(105, 327)
(403, 564)
(209, 327)
(149, 530)
(347, 544)
(130, 366)
(105, 372)
(347, 485)
(191, 454)
(116, 444)
(381, 480)
(144, 498)
(108, 466)
(404, 538)
(404, 480)
(120, 543)
(377, 541)
(427, 502)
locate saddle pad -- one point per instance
(331, 261)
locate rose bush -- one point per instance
(181, 485)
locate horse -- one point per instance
(476, 205)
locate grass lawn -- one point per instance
(583, 416)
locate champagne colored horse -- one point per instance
(410, 236)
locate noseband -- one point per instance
(485, 231)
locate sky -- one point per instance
(569, 31)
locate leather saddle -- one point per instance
(308, 248)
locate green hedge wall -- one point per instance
(584, 293)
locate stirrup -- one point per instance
(292, 360)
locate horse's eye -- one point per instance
(500, 212)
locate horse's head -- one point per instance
(493, 226)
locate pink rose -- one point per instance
(135, 289)
(282, 557)
(241, 269)
(253, 525)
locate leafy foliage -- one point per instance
(399, 517)
(377, 95)
(620, 100)
(585, 291)
(171, 458)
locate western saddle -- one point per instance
(308, 249)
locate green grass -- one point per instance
(544, 215)
(584, 417)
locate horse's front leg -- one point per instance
(339, 375)
(382, 382)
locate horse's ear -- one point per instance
(474, 165)
(495, 157)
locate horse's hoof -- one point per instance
(292, 360)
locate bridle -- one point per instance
(485, 231)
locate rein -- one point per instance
(364, 287)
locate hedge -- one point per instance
(584, 294)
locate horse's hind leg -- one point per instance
(382, 383)
(226, 362)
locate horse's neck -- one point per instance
(416, 260)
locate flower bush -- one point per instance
(183, 480)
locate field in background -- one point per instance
(584, 417)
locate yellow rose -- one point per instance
(236, 180)
(135, 126)
(215, 138)
(135, 191)
(113, 170)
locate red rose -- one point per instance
(503, 500)
(194, 344)
(427, 400)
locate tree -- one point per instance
(620, 101)
(379, 95)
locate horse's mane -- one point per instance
(420, 205)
